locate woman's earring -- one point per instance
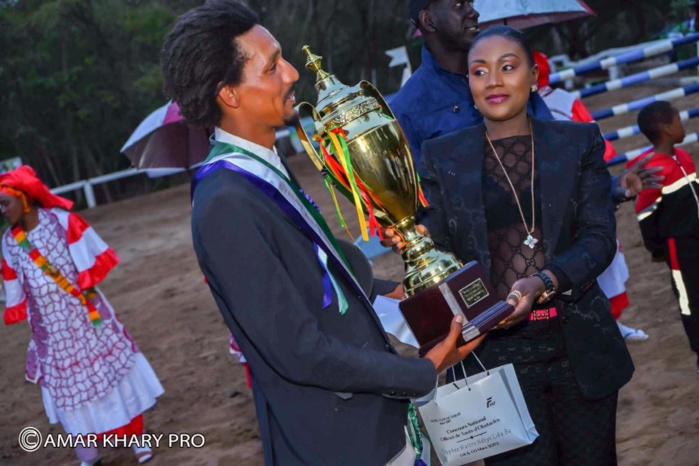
(535, 88)
(475, 106)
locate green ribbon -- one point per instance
(414, 432)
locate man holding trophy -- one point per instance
(329, 388)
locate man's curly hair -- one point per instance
(201, 54)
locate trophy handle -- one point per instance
(303, 136)
(370, 89)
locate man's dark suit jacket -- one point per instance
(578, 233)
(329, 388)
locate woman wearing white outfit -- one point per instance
(93, 378)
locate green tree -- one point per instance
(77, 76)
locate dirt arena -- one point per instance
(159, 294)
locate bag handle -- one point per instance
(463, 368)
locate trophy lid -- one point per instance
(331, 92)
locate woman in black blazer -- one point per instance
(529, 199)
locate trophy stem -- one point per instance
(425, 265)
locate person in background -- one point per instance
(436, 100)
(564, 106)
(669, 216)
(688, 26)
(93, 377)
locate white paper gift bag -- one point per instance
(479, 417)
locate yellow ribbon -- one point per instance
(347, 166)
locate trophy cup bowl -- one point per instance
(367, 157)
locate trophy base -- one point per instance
(466, 292)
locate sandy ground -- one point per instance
(159, 294)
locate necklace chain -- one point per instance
(530, 241)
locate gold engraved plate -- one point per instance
(473, 293)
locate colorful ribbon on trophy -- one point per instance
(333, 147)
(342, 152)
(344, 177)
(420, 194)
(332, 176)
(328, 180)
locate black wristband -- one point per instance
(548, 283)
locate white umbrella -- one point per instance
(523, 14)
(164, 140)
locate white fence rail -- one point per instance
(87, 185)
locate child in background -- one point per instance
(669, 217)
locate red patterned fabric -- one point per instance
(248, 377)
(542, 61)
(76, 227)
(16, 313)
(73, 362)
(619, 303)
(93, 258)
(135, 427)
(8, 273)
(15, 300)
(577, 112)
(104, 263)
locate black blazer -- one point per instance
(329, 388)
(578, 229)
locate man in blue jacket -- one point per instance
(436, 100)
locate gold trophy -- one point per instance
(365, 155)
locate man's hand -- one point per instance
(636, 178)
(391, 238)
(397, 293)
(445, 354)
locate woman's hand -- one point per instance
(522, 296)
(391, 238)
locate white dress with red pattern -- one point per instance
(93, 379)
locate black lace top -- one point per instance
(511, 259)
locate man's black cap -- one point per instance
(414, 9)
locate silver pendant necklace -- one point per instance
(529, 241)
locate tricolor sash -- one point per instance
(289, 197)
